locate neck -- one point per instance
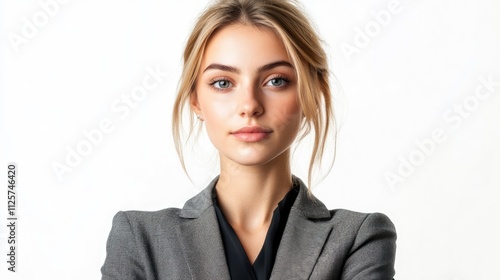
(248, 195)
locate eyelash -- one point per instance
(280, 77)
(216, 80)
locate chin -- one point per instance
(246, 161)
(255, 159)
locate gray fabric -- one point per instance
(186, 243)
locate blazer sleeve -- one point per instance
(373, 253)
(122, 256)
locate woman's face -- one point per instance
(247, 81)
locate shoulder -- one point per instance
(357, 245)
(137, 216)
(133, 242)
(354, 227)
(367, 242)
(313, 208)
(165, 220)
(143, 222)
(355, 221)
(143, 226)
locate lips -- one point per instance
(252, 133)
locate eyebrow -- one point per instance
(227, 68)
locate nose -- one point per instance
(250, 103)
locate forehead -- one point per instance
(244, 46)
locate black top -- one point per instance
(239, 266)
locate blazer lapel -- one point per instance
(306, 232)
(201, 239)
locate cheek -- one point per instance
(213, 128)
(215, 115)
(287, 113)
(215, 111)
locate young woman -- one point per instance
(256, 76)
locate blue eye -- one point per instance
(221, 84)
(277, 82)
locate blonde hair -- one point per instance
(303, 45)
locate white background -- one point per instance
(402, 84)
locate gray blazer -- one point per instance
(186, 243)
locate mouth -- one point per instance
(252, 133)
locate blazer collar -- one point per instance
(309, 206)
(305, 234)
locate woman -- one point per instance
(256, 76)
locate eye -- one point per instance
(278, 82)
(221, 84)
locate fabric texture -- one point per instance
(186, 243)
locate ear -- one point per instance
(193, 102)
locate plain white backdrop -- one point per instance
(419, 134)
